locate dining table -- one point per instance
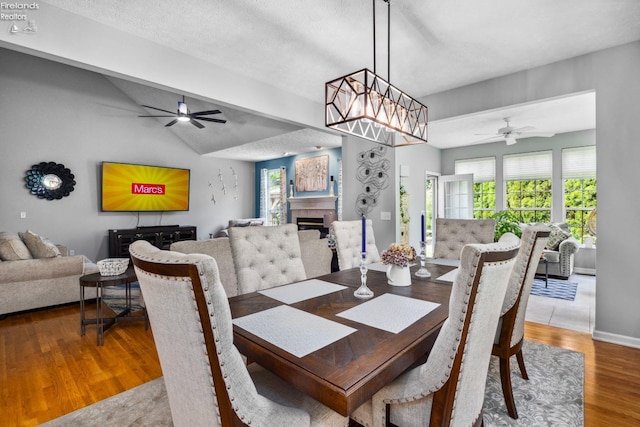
(317, 336)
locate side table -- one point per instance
(96, 280)
(546, 270)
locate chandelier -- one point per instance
(365, 105)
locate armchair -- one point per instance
(560, 257)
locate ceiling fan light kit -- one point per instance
(365, 105)
(184, 115)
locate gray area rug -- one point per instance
(553, 396)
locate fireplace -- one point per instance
(312, 224)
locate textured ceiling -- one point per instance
(298, 46)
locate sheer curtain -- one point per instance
(284, 217)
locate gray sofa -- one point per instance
(316, 256)
(35, 283)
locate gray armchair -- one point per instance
(560, 260)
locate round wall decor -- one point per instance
(49, 180)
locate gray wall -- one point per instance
(53, 112)
(498, 150)
(613, 74)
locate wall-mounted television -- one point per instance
(130, 187)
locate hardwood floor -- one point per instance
(47, 369)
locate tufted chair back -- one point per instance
(448, 389)
(206, 378)
(266, 256)
(510, 331)
(453, 234)
(348, 238)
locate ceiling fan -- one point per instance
(184, 115)
(510, 133)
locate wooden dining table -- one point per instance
(348, 372)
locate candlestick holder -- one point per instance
(423, 272)
(363, 292)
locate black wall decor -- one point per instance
(49, 180)
(373, 173)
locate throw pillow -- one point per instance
(40, 247)
(557, 236)
(12, 248)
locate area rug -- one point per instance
(556, 288)
(553, 396)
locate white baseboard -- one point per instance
(616, 339)
(587, 271)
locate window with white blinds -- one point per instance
(528, 166)
(483, 169)
(579, 163)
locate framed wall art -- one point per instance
(311, 173)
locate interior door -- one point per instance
(455, 196)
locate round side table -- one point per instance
(98, 281)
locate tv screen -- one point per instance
(128, 187)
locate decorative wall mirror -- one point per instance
(49, 180)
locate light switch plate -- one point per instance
(385, 216)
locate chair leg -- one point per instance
(505, 377)
(523, 370)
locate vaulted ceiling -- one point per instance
(296, 47)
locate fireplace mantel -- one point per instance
(320, 202)
(312, 207)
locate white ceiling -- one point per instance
(435, 46)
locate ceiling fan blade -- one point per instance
(488, 139)
(171, 123)
(159, 109)
(524, 129)
(537, 134)
(196, 124)
(208, 119)
(201, 113)
(173, 115)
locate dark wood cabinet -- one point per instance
(161, 237)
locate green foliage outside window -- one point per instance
(579, 200)
(484, 199)
(529, 200)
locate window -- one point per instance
(273, 196)
(484, 184)
(528, 178)
(579, 181)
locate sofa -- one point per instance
(316, 256)
(39, 275)
(559, 252)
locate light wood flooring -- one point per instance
(47, 369)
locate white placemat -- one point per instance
(390, 312)
(301, 291)
(450, 276)
(295, 331)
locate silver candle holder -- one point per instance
(363, 292)
(423, 272)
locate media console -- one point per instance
(159, 236)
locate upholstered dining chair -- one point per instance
(448, 389)
(451, 234)
(265, 257)
(206, 379)
(348, 240)
(510, 331)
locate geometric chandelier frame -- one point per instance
(365, 105)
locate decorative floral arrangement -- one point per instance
(399, 254)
